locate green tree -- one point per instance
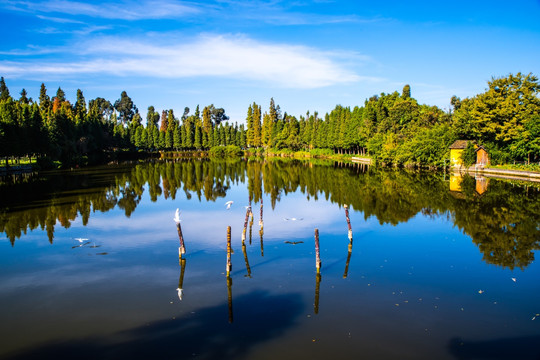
(80, 107)
(152, 117)
(125, 107)
(499, 115)
(406, 93)
(44, 101)
(4, 91)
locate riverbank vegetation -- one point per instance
(390, 128)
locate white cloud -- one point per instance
(228, 56)
(124, 10)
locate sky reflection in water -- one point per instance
(414, 286)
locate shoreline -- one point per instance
(501, 173)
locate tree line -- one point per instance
(395, 129)
(391, 128)
(79, 133)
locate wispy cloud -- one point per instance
(124, 10)
(283, 13)
(271, 12)
(227, 56)
(59, 20)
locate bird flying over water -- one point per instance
(229, 203)
(177, 216)
(81, 240)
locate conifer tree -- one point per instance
(80, 107)
(177, 138)
(4, 91)
(44, 100)
(152, 117)
(24, 99)
(198, 138)
(164, 122)
(257, 126)
(249, 122)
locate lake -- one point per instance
(435, 266)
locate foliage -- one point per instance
(506, 116)
(225, 151)
(391, 128)
(468, 156)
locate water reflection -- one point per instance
(180, 288)
(456, 179)
(502, 218)
(185, 337)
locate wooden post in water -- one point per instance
(229, 297)
(182, 248)
(261, 223)
(348, 260)
(250, 225)
(261, 230)
(317, 252)
(229, 279)
(181, 279)
(248, 210)
(229, 264)
(261, 233)
(317, 290)
(248, 268)
(348, 221)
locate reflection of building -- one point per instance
(456, 149)
(456, 180)
(481, 184)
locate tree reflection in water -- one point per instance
(503, 221)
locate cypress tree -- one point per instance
(249, 122)
(4, 91)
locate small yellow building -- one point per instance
(456, 149)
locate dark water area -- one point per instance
(434, 266)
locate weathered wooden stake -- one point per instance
(182, 270)
(248, 268)
(348, 220)
(348, 260)
(261, 219)
(317, 291)
(229, 297)
(248, 210)
(317, 252)
(250, 226)
(261, 233)
(181, 279)
(182, 248)
(229, 264)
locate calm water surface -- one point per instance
(439, 267)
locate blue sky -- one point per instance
(307, 55)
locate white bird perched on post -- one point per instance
(229, 203)
(177, 216)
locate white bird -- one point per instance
(180, 293)
(514, 279)
(177, 216)
(229, 203)
(81, 240)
